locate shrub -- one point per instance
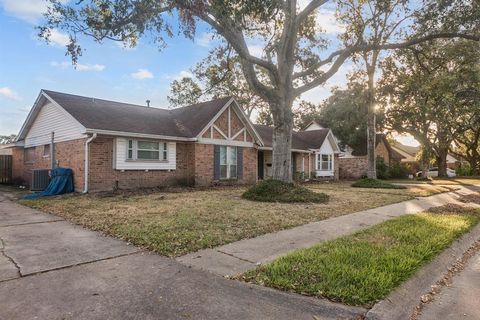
(278, 191)
(398, 170)
(424, 179)
(375, 183)
(382, 169)
(464, 170)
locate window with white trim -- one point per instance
(228, 162)
(147, 150)
(324, 162)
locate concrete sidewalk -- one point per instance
(238, 257)
(51, 269)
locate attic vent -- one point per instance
(40, 180)
(148, 103)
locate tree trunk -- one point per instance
(442, 162)
(474, 164)
(282, 144)
(371, 126)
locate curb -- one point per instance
(401, 303)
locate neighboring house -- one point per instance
(113, 145)
(354, 163)
(410, 158)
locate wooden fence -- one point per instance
(5, 169)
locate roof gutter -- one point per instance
(87, 144)
(137, 135)
(293, 150)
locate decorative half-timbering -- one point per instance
(231, 126)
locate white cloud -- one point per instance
(142, 74)
(28, 10)
(205, 39)
(178, 76)
(79, 66)
(183, 74)
(90, 67)
(9, 94)
(58, 38)
(255, 50)
(327, 21)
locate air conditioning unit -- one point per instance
(40, 179)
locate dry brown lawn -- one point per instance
(176, 222)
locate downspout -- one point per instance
(87, 143)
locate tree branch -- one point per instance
(387, 46)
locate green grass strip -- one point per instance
(365, 267)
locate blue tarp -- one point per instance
(61, 182)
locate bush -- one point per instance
(398, 170)
(382, 169)
(278, 191)
(375, 183)
(464, 170)
(424, 179)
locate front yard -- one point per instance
(180, 221)
(365, 267)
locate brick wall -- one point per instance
(250, 163)
(69, 154)
(204, 175)
(382, 152)
(102, 176)
(352, 168)
(203, 164)
(336, 166)
(194, 167)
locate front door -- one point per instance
(260, 158)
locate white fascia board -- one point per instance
(138, 135)
(33, 111)
(293, 150)
(232, 143)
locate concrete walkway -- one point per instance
(460, 300)
(238, 257)
(51, 269)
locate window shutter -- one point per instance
(239, 163)
(216, 162)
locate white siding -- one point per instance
(326, 148)
(121, 162)
(53, 118)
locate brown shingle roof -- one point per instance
(361, 150)
(302, 140)
(101, 114)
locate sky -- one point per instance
(107, 70)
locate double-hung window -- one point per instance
(147, 150)
(228, 162)
(325, 162)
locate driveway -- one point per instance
(51, 269)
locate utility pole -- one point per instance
(52, 150)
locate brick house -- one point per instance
(354, 164)
(111, 145)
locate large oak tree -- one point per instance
(432, 92)
(297, 56)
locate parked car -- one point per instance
(433, 172)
